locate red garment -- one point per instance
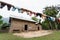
(59, 20)
(30, 13)
(35, 14)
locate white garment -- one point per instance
(40, 18)
(52, 18)
(32, 15)
(58, 15)
(4, 12)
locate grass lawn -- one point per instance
(8, 36)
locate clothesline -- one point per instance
(28, 11)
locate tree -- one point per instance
(58, 16)
(45, 25)
(1, 21)
(51, 11)
(35, 19)
(5, 26)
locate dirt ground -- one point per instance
(33, 33)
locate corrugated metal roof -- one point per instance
(21, 18)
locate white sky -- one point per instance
(33, 5)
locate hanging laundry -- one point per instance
(38, 14)
(51, 18)
(2, 5)
(13, 9)
(5, 8)
(43, 17)
(19, 11)
(9, 7)
(30, 13)
(34, 13)
(59, 20)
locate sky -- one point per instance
(33, 5)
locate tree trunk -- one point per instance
(56, 26)
(50, 25)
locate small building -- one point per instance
(22, 25)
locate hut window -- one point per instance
(26, 27)
(10, 20)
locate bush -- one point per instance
(35, 19)
(5, 26)
(45, 25)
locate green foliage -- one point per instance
(51, 11)
(35, 19)
(1, 21)
(45, 25)
(0, 17)
(5, 26)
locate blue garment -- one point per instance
(13, 9)
(9, 7)
(18, 10)
(51, 18)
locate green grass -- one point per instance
(54, 36)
